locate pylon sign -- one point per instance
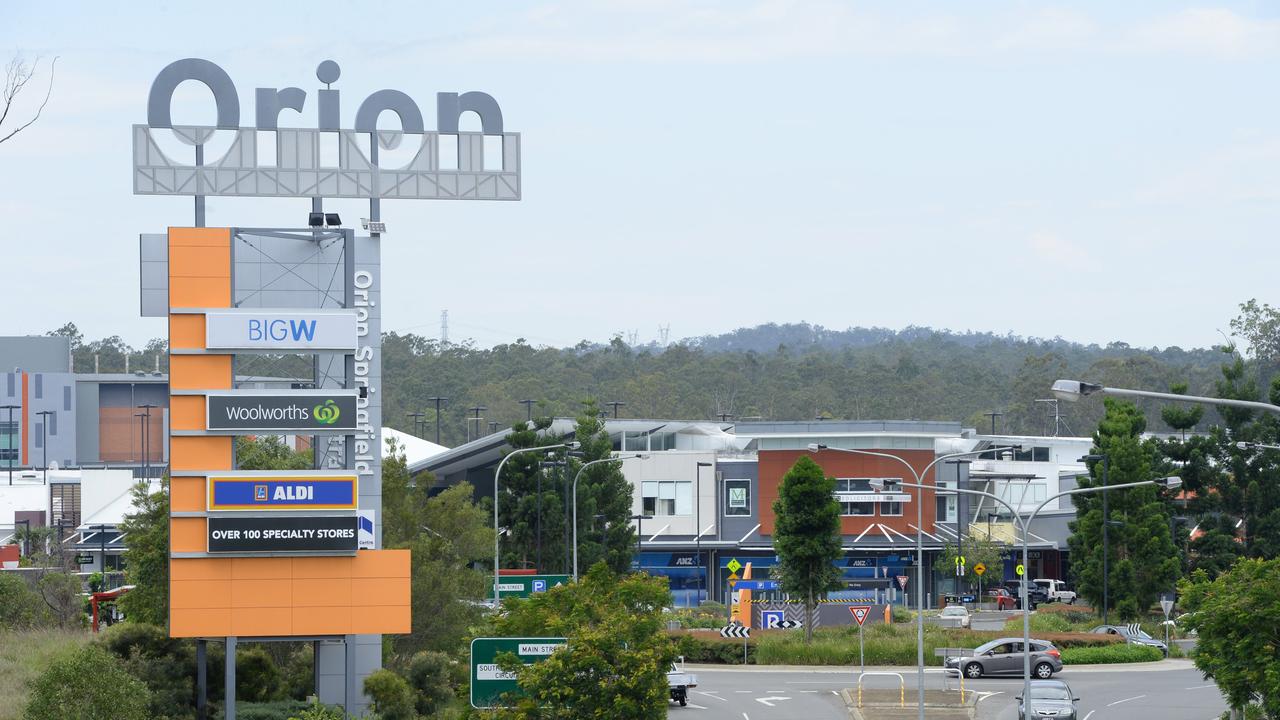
(860, 613)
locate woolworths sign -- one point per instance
(295, 411)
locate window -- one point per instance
(39, 377)
(849, 488)
(667, 497)
(8, 440)
(947, 508)
(737, 497)
(890, 509)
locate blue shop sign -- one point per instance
(292, 491)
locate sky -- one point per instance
(1096, 171)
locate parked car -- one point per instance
(679, 682)
(1035, 593)
(1133, 635)
(1003, 656)
(1055, 590)
(1050, 699)
(955, 615)
(1002, 599)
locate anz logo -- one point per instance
(281, 330)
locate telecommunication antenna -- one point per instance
(633, 336)
(444, 327)
(664, 332)
(1058, 422)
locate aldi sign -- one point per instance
(298, 410)
(288, 491)
(282, 330)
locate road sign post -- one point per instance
(860, 613)
(1166, 604)
(490, 682)
(741, 631)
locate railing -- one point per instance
(902, 686)
(955, 672)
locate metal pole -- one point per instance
(202, 682)
(229, 701)
(1106, 549)
(437, 401)
(575, 503)
(497, 476)
(538, 524)
(44, 438)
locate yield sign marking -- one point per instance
(902, 581)
(770, 700)
(860, 613)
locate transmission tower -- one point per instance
(1059, 423)
(444, 327)
(664, 332)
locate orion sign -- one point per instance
(297, 410)
(289, 162)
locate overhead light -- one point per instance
(1170, 483)
(1073, 390)
(815, 447)
(332, 220)
(373, 226)
(876, 483)
(315, 219)
(1245, 445)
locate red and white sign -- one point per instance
(860, 613)
(902, 581)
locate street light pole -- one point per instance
(44, 441)
(146, 438)
(437, 401)
(417, 419)
(1168, 483)
(1073, 390)
(919, 476)
(577, 475)
(697, 526)
(638, 518)
(10, 431)
(497, 476)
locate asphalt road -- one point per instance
(1170, 690)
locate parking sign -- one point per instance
(771, 619)
(539, 585)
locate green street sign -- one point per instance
(525, 585)
(488, 681)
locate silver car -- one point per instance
(1050, 700)
(1133, 635)
(1003, 656)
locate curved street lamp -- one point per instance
(1073, 390)
(497, 475)
(1169, 483)
(585, 465)
(815, 447)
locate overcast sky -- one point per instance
(1100, 171)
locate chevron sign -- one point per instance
(735, 631)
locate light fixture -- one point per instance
(315, 220)
(332, 220)
(815, 447)
(1169, 483)
(1073, 390)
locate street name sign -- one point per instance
(490, 682)
(283, 533)
(525, 585)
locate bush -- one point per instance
(257, 677)
(164, 664)
(1115, 653)
(87, 684)
(392, 697)
(298, 673)
(429, 676)
(1047, 623)
(20, 607)
(1079, 615)
(901, 614)
(316, 711)
(705, 647)
(277, 710)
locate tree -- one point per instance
(392, 697)
(1237, 621)
(146, 557)
(269, 452)
(617, 656)
(1143, 561)
(976, 550)
(807, 535)
(87, 683)
(604, 497)
(16, 76)
(429, 676)
(532, 501)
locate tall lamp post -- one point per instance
(497, 476)
(417, 421)
(1073, 390)
(639, 518)
(437, 401)
(146, 438)
(1168, 483)
(10, 430)
(44, 441)
(697, 526)
(585, 465)
(919, 476)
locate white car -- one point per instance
(956, 615)
(1056, 590)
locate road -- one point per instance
(1170, 690)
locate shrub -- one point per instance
(164, 664)
(1115, 653)
(429, 676)
(901, 614)
(87, 684)
(1079, 615)
(392, 697)
(298, 673)
(276, 710)
(1048, 623)
(316, 711)
(20, 607)
(257, 677)
(705, 647)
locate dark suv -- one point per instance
(1035, 594)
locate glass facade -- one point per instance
(667, 497)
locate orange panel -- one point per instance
(188, 594)
(200, 372)
(381, 564)
(187, 535)
(200, 453)
(186, 412)
(381, 591)
(391, 620)
(200, 569)
(189, 292)
(199, 623)
(186, 494)
(260, 568)
(261, 593)
(186, 331)
(199, 237)
(321, 621)
(323, 567)
(207, 262)
(248, 622)
(322, 593)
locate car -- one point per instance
(1003, 656)
(953, 615)
(1055, 590)
(1002, 599)
(1035, 593)
(1133, 635)
(679, 682)
(1050, 699)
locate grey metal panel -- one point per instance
(153, 274)
(87, 449)
(41, 353)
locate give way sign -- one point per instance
(860, 613)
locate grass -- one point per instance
(23, 656)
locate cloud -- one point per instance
(1053, 249)
(1209, 31)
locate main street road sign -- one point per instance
(979, 569)
(525, 585)
(488, 681)
(860, 613)
(735, 631)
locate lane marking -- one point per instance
(1135, 697)
(711, 695)
(769, 701)
(744, 717)
(698, 707)
(744, 691)
(1200, 687)
(986, 695)
(1091, 712)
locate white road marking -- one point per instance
(743, 691)
(1135, 697)
(1200, 687)
(711, 695)
(744, 717)
(1091, 712)
(698, 707)
(769, 701)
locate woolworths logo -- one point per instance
(327, 412)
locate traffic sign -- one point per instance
(1020, 570)
(525, 585)
(980, 569)
(756, 585)
(488, 681)
(87, 559)
(860, 613)
(735, 631)
(734, 566)
(1167, 606)
(902, 581)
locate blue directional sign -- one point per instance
(539, 585)
(756, 585)
(282, 491)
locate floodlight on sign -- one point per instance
(332, 220)
(315, 220)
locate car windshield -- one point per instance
(1049, 693)
(954, 611)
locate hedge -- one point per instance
(1110, 654)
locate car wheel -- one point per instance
(973, 671)
(1044, 671)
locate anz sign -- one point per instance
(255, 329)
